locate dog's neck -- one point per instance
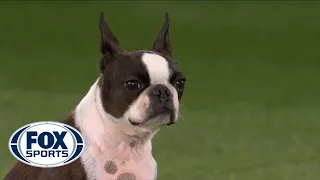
(103, 130)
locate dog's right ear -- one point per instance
(109, 43)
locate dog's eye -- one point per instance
(132, 85)
(180, 84)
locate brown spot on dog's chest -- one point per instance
(126, 176)
(132, 144)
(110, 167)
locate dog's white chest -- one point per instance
(119, 164)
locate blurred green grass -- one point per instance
(252, 105)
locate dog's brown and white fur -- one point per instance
(136, 94)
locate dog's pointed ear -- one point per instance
(162, 43)
(109, 43)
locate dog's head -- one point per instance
(141, 87)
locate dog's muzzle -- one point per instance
(161, 103)
(160, 109)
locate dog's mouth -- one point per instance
(163, 117)
(135, 123)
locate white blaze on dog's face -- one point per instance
(142, 87)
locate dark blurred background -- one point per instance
(251, 109)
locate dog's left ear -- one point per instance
(162, 44)
(109, 43)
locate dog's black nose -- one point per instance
(161, 91)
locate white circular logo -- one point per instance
(46, 144)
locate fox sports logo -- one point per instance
(46, 144)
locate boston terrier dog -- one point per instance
(135, 94)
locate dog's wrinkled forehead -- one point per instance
(158, 68)
(144, 64)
